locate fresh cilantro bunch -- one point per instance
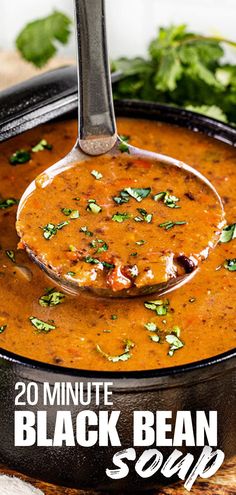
(184, 69)
(37, 42)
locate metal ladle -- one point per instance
(98, 134)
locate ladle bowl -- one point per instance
(98, 136)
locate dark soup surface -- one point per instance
(39, 321)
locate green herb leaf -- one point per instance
(160, 306)
(123, 145)
(228, 234)
(41, 325)
(169, 225)
(96, 174)
(68, 212)
(145, 217)
(51, 298)
(114, 317)
(174, 341)
(51, 229)
(37, 42)
(71, 274)
(96, 261)
(128, 345)
(7, 203)
(137, 193)
(11, 255)
(86, 231)
(3, 328)
(155, 338)
(99, 245)
(20, 157)
(168, 199)
(141, 242)
(120, 217)
(151, 327)
(230, 265)
(41, 146)
(93, 206)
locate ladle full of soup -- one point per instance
(155, 217)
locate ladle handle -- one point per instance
(97, 127)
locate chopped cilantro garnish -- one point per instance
(155, 338)
(99, 245)
(7, 203)
(123, 145)
(151, 327)
(174, 341)
(167, 199)
(114, 317)
(3, 328)
(71, 274)
(41, 325)
(120, 217)
(72, 248)
(137, 193)
(230, 265)
(86, 231)
(51, 298)
(140, 243)
(51, 229)
(38, 41)
(11, 255)
(229, 233)
(128, 345)
(134, 254)
(41, 146)
(93, 207)
(132, 192)
(145, 217)
(169, 225)
(160, 306)
(96, 261)
(68, 212)
(20, 157)
(96, 174)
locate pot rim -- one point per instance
(197, 123)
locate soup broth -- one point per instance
(38, 321)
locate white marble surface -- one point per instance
(131, 23)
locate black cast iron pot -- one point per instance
(205, 385)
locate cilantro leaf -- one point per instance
(97, 175)
(173, 339)
(230, 265)
(37, 41)
(19, 157)
(93, 207)
(86, 231)
(169, 225)
(168, 199)
(228, 233)
(120, 217)
(138, 193)
(160, 306)
(3, 328)
(128, 345)
(7, 203)
(51, 229)
(11, 255)
(51, 298)
(41, 325)
(41, 146)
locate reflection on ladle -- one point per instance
(114, 276)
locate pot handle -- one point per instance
(38, 100)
